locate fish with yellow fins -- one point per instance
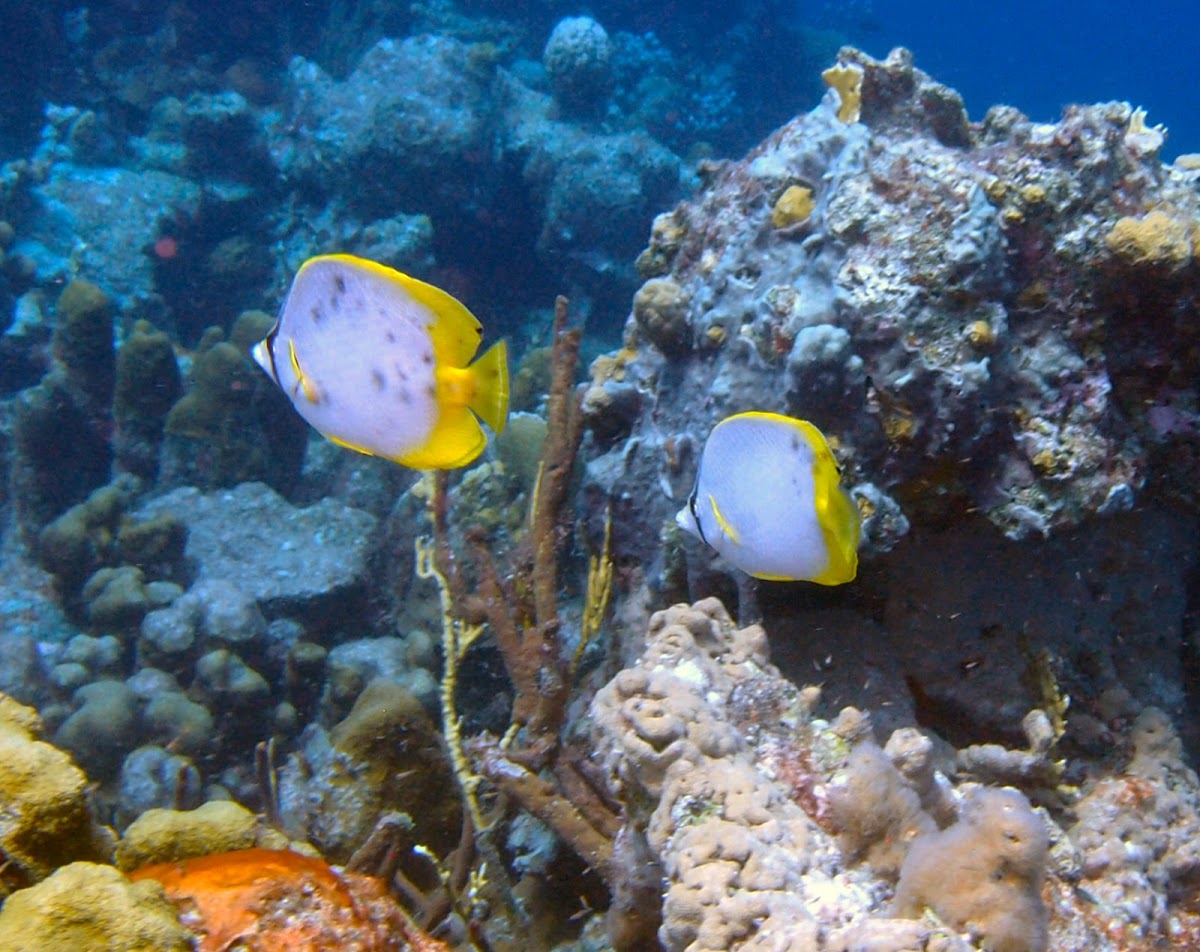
(768, 497)
(380, 362)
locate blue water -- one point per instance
(1040, 57)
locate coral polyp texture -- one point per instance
(774, 828)
(1008, 298)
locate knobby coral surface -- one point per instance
(775, 829)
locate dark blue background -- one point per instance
(1042, 56)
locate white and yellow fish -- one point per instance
(380, 362)
(768, 497)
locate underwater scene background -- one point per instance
(260, 691)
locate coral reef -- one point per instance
(993, 321)
(775, 828)
(577, 59)
(47, 819)
(88, 906)
(947, 258)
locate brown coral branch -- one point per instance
(541, 798)
(523, 613)
(564, 429)
(577, 789)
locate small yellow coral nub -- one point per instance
(980, 335)
(793, 207)
(847, 80)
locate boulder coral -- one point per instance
(385, 756)
(147, 383)
(46, 818)
(660, 309)
(773, 828)
(577, 59)
(168, 836)
(83, 341)
(90, 906)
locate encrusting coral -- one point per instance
(166, 836)
(983, 875)
(90, 906)
(278, 899)
(775, 829)
(1157, 241)
(46, 817)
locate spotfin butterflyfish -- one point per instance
(380, 362)
(768, 497)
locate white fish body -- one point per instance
(380, 362)
(768, 498)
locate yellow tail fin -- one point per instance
(490, 401)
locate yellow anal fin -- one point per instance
(455, 441)
(490, 397)
(723, 523)
(311, 393)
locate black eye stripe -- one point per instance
(271, 351)
(695, 515)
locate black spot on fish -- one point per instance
(335, 302)
(427, 358)
(378, 379)
(316, 314)
(431, 392)
(391, 338)
(796, 443)
(339, 282)
(405, 396)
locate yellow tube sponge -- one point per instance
(847, 79)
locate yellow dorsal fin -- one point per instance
(722, 522)
(455, 331)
